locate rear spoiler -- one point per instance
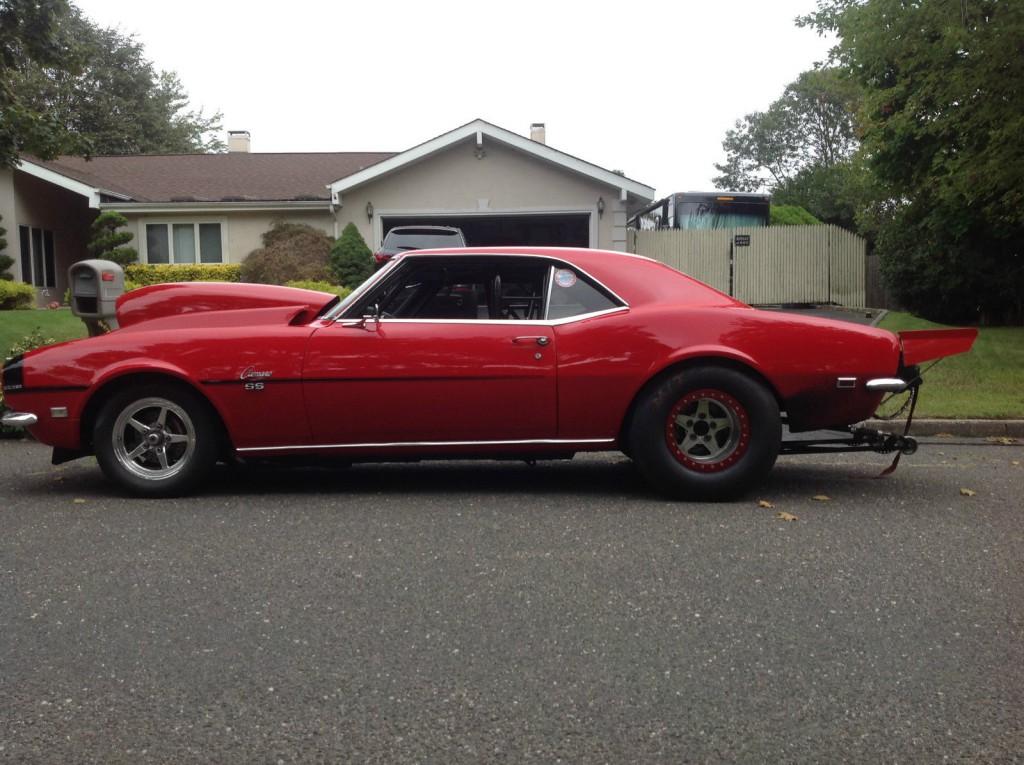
(921, 345)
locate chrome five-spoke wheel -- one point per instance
(154, 438)
(157, 440)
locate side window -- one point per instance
(463, 288)
(573, 295)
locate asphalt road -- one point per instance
(488, 612)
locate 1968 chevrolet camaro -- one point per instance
(489, 353)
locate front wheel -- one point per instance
(156, 440)
(709, 433)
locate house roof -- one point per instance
(477, 130)
(233, 177)
(278, 178)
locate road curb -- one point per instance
(963, 428)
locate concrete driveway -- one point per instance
(502, 613)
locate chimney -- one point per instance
(238, 142)
(538, 133)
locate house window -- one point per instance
(184, 243)
(37, 259)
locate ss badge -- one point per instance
(254, 386)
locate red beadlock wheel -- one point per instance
(708, 430)
(705, 432)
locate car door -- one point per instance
(455, 357)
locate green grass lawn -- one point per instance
(988, 382)
(60, 325)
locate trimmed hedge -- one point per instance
(16, 295)
(309, 284)
(792, 215)
(143, 275)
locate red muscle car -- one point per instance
(489, 353)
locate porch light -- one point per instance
(369, 211)
(600, 207)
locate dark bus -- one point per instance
(699, 209)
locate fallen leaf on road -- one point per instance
(1004, 440)
(764, 503)
(821, 497)
(944, 435)
(968, 492)
(785, 516)
(1014, 462)
(78, 501)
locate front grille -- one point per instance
(13, 374)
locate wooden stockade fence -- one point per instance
(777, 264)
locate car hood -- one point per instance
(177, 299)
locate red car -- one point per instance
(489, 353)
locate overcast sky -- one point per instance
(647, 87)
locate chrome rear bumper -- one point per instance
(19, 419)
(887, 385)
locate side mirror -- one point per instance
(370, 321)
(372, 318)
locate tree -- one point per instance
(107, 241)
(113, 99)
(6, 261)
(351, 261)
(28, 39)
(810, 126)
(68, 86)
(941, 120)
(290, 252)
(834, 194)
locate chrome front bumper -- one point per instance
(19, 419)
(887, 385)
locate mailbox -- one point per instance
(95, 287)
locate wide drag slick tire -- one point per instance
(156, 440)
(708, 433)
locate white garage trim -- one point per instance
(477, 129)
(379, 215)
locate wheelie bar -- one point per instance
(860, 440)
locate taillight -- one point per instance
(381, 257)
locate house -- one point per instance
(498, 186)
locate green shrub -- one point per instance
(290, 251)
(307, 284)
(16, 295)
(792, 215)
(34, 340)
(351, 261)
(142, 275)
(107, 241)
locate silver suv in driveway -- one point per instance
(402, 238)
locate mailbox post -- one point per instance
(95, 287)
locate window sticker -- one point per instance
(565, 278)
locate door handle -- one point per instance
(538, 339)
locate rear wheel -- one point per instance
(707, 433)
(156, 440)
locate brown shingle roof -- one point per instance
(216, 177)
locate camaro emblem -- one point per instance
(251, 373)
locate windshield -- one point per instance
(337, 310)
(421, 239)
